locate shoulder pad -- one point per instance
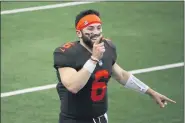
(67, 47)
(109, 41)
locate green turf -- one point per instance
(146, 34)
(16, 5)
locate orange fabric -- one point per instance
(87, 20)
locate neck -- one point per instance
(84, 45)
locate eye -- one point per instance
(99, 28)
(90, 28)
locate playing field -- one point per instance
(146, 34)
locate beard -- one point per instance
(87, 39)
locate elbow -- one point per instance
(125, 76)
(72, 89)
(122, 77)
(71, 86)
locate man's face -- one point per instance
(92, 33)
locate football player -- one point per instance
(84, 68)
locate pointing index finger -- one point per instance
(169, 100)
(99, 40)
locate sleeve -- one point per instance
(114, 54)
(63, 59)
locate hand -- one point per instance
(98, 49)
(159, 98)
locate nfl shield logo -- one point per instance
(85, 22)
(100, 63)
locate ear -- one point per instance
(79, 33)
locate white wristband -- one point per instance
(90, 66)
(136, 84)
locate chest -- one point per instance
(105, 63)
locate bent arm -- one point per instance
(74, 80)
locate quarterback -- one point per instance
(84, 68)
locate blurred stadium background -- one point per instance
(146, 34)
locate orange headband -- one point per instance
(87, 20)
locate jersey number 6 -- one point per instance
(101, 86)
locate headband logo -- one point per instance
(85, 22)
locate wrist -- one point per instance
(150, 92)
(94, 62)
(94, 59)
(89, 66)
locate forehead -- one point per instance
(94, 25)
